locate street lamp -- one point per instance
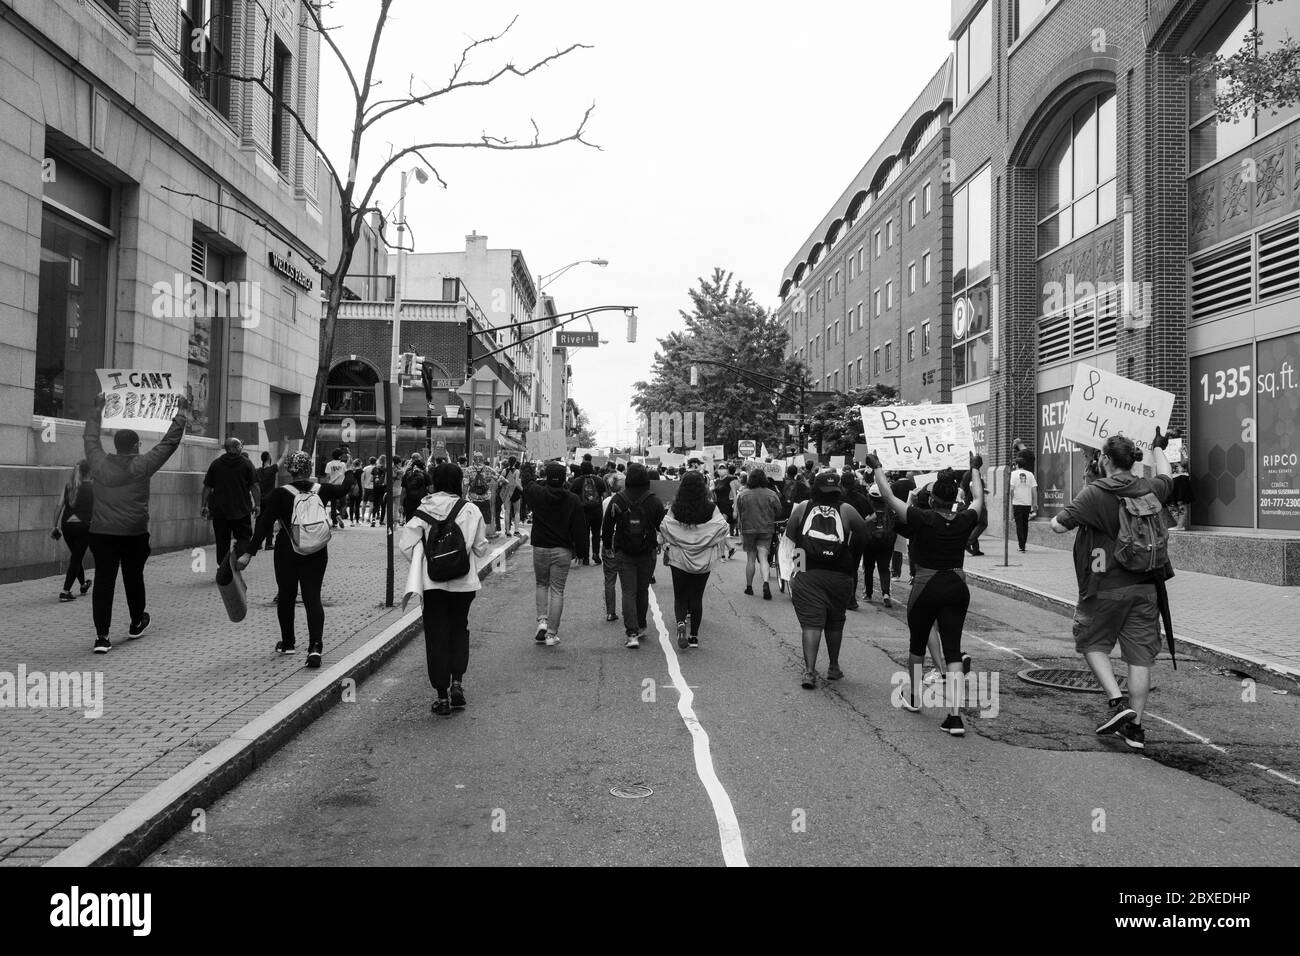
(544, 281)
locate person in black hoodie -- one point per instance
(230, 497)
(559, 536)
(631, 530)
(591, 493)
(267, 476)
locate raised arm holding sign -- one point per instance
(1103, 404)
(918, 437)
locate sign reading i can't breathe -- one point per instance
(1103, 404)
(144, 401)
(918, 437)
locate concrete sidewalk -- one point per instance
(1254, 623)
(189, 685)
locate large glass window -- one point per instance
(1027, 11)
(972, 256)
(280, 118)
(208, 314)
(205, 49)
(973, 59)
(1076, 179)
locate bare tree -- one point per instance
(357, 196)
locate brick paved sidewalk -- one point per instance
(187, 685)
(1243, 619)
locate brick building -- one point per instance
(157, 216)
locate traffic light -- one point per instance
(631, 326)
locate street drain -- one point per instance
(1064, 678)
(633, 792)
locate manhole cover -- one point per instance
(633, 792)
(1064, 678)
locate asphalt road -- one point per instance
(833, 776)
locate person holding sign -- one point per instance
(939, 593)
(1121, 562)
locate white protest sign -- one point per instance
(670, 460)
(918, 437)
(837, 462)
(714, 451)
(1103, 404)
(550, 444)
(656, 451)
(144, 401)
(774, 470)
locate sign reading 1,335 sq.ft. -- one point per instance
(577, 340)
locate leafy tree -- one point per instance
(582, 436)
(1261, 77)
(836, 426)
(724, 325)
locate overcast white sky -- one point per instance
(727, 130)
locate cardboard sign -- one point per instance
(144, 401)
(670, 460)
(774, 470)
(651, 462)
(547, 445)
(859, 453)
(716, 452)
(837, 462)
(1104, 404)
(918, 437)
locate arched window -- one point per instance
(1076, 179)
(350, 388)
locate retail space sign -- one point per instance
(979, 427)
(918, 437)
(577, 340)
(1053, 464)
(1277, 394)
(1103, 404)
(142, 400)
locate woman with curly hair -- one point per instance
(758, 508)
(690, 535)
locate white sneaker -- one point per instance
(632, 642)
(552, 640)
(933, 676)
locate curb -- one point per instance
(1278, 673)
(135, 832)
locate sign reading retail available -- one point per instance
(918, 437)
(577, 340)
(291, 272)
(144, 401)
(1103, 404)
(747, 449)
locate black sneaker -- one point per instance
(314, 654)
(749, 590)
(954, 726)
(1120, 714)
(86, 587)
(1133, 735)
(457, 695)
(965, 663)
(681, 634)
(441, 707)
(809, 681)
(853, 605)
(540, 636)
(137, 629)
(767, 592)
(833, 672)
(887, 601)
(611, 618)
(103, 645)
(693, 641)
(282, 648)
(66, 596)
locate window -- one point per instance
(828, 287)
(973, 57)
(911, 344)
(875, 302)
(889, 233)
(205, 48)
(837, 331)
(889, 352)
(911, 212)
(288, 311)
(859, 368)
(925, 199)
(859, 316)
(1210, 139)
(281, 90)
(876, 238)
(210, 272)
(836, 385)
(829, 340)
(889, 294)
(925, 338)
(837, 281)
(1026, 12)
(911, 278)
(817, 344)
(875, 360)
(861, 261)
(850, 268)
(925, 267)
(848, 376)
(972, 241)
(1076, 180)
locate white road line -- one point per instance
(1190, 733)
(733, 847)
(1275, 773)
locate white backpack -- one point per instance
(309, 528)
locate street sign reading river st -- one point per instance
(577, 340)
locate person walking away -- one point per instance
(973, 545)
(510, 497)
(480, 482)
(267, 473)
(689, 535)
(1024, 494)
(824, 530)
(855, 495)
(723, 488)
(591, 492)
(559, 536)
(72, 524)
(379, 493)
(301, 552)
(903, 485)
(335, 471)
(119, 522)
(1121, 563)
(630, 531)
(354, 492)
(878, 550)
(415, 487)
(939, 594)
(231, 497)
(611, 565)
(446, 541)
(368, 492)
(758, 508)
(614, 479)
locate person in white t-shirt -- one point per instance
(1024, 493)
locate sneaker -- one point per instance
(596, 560)
(457, 695)
(681, 634)
(282, 648)
(909, 703)
(767, 592)
(540, 636)
(86, 587)
(749, 590)
(632, 642)
(1120, 714)
(66, 596)
(868, 598)
(954, 726)
(693, 641)
(611, 618)
(1022, 550)
(441, 707)
(137, 629)
(886, 601)
(854, 605)
(932, 676)
(965, 663)
(103, 645)
(586, 562)
(809, 681)
(314, 655)
(731, 554)
(1133, 735)
(552, 640)
(833, 672)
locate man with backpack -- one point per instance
(591, 492)
(1121, 561)
(630, 532)
(558, 536)
(480, 488)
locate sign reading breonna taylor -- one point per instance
(144, 401)
(918, 437)
(1104, 404)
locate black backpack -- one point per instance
(882, 528)
(446, 554)
(632, 526)
(590, 491)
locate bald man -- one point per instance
(230, 497)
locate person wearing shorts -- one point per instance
(822, 586)
(939, 595)
(1117, 605)
(758, 507)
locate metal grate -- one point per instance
(198, 258)
(1054, 338)
(1108, 319)
(1222, 280)
(1085, 329)
(1279, 260)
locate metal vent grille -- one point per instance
(1222, 280)
(1054, 339)
(1085, 329)
(1108, 319)
(1279, 260)
(198, 258)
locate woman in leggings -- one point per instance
(294, 570)
(690, 535)
(72, 523)
(939, 594)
